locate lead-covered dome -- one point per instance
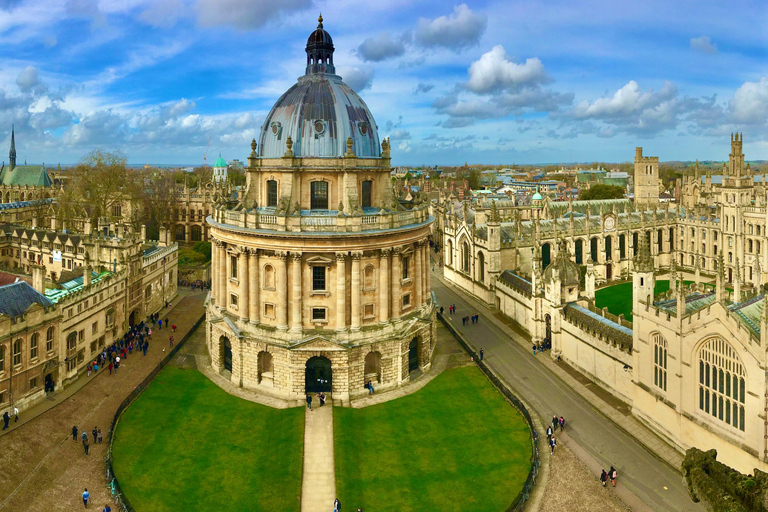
(320, 112)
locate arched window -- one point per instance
(269, 277)
(33, 346)
(366, 193)
(369, 277)
(622, 246)
(372, 368)
(271, 193)
(480, 267)
(197, 233)
(148, 292)
(49, 339)
(722, 382)
(608, 248)
(671, 239)
(579, 251)
(593, 250)
(635, 244)
(465, 257)
(449, 252)
(17, 352)
(319, 195)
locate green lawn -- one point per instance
(618, 298)
(455, 445)
(187, 445)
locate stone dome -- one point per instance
(320, 112)
(563, 267)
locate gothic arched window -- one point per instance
(722, 382)
(660, 361)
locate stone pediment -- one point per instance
(317, 343)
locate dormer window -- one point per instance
(276, 129)
(319, 127)
(363, 128)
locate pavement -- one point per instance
(318, 482)
(599, 428)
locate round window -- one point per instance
(275, 129)
(363, 128)
(319, 126)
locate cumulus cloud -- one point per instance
(163, 13)
(423, 87)
(245, 14)
(494, 71)
(750, 102)
(381, 47)
(400, 134)
(357, 78)
(627, 101)
(461, 29)
(29, 81)
(703, 44)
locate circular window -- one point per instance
(319, 126)
(363, 128)
(275, 128)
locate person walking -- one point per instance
(6, 419)
(369, 385)
(171, 340)
(552, 445)
(74, 433)
(613, 474)
(15, 414)
(101, 436)
(309, 402)
(555, 422)
(106, 508)
(336, 505)
(534, 349)
(86, 445)
(110, 367)
(481, 354)
(86, 497)
(604, 477)
(173, 327)
(95, 433)
(562, 423)
(549, 433)
(84, 436)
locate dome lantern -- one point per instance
(320, 51)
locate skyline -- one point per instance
(483, 82)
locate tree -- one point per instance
(601, 191)
(158, 199)
(204, 175)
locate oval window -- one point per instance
(319, 126)
(275, 128)
(363, 128)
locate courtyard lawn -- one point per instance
(455, 445)
(185, 444)
(618, 298)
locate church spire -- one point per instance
(320, 51)
(12, 154)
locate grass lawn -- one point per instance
(618, 298)
(455, 445)
(187, 445)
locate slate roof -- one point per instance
(15, 298)
(25, 175)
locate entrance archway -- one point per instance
(226, 348)
(50, 385)
(318, 375)
(132, 318)
(548, 333)
(608, 272)
(413, 355)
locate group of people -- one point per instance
(320, 398)
(337, 506)
(470, 319)
(556, 422)
(545, 345)
(611, 474)
(98, 437)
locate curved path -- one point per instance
(654, 482)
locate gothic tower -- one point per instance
(12, 154)
(646, 179)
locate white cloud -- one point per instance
(245, 14)
(29, 81)
(381, 47)
(628, 100)
(750, 102)
(703, 44)
(163, 13)
(357, 78)
(461, 29)
(494, 70)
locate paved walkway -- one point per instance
(598, 425)
(318, 483)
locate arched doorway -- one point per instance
(50, 385)
(548, 331)
(226, 349)
(413, 355)
(608, 272)
(318, 375)
(132, 318)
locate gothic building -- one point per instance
(23, 182)
(321, 277)
(691, 362)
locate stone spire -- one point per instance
(494, 213)
(720, 284)
(643, 262)
(12, 153)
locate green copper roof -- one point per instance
(220, 162)
(537, 197)
(25, 175)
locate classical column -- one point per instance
(282, 292)
(242, 277)
(355, 295)
(254, 308)
(428, 277)
(397, 278)
(426, 270)
(417, 284)
(214, 271)
(296, 296)
(222, 298)
(384, 285)
(341, 291)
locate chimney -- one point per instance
(143, 232)
(162, 242)
(87, 228)
(34, 222)
(87, 275)
(38, 277)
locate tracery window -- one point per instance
(271, 192)
(660, 361)
(722, 382)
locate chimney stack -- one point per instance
(38, 277)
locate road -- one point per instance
(652, 481)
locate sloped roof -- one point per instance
(15, 298)
(25, 175)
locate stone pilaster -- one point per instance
(397, 278)
(384, 285)
(243, 280)
(417, 284)
(341, 291)
(222, 270)
(296, 296)
(282, 292)
(254, 312)
(355, 295)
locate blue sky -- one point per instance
(495, 82)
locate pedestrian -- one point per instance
(552, 445)
(86, 445)
(370, 387)
(441, 310)
(86, 497)
(166, 322)
(481, 354)
(336, 505)
(101, 437)
(6, 419)
(534, 349)
(106, 508)
(555, 422)
(309, 402)
(159, 324)
(604, 477)
(110, 367)
(74, 433)
(171, 340)
(562, 423)
(173, 327)
(612, 473)
(321, 397)
(463, 320)
(549, 433)
(84, 437)
(95, 432)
